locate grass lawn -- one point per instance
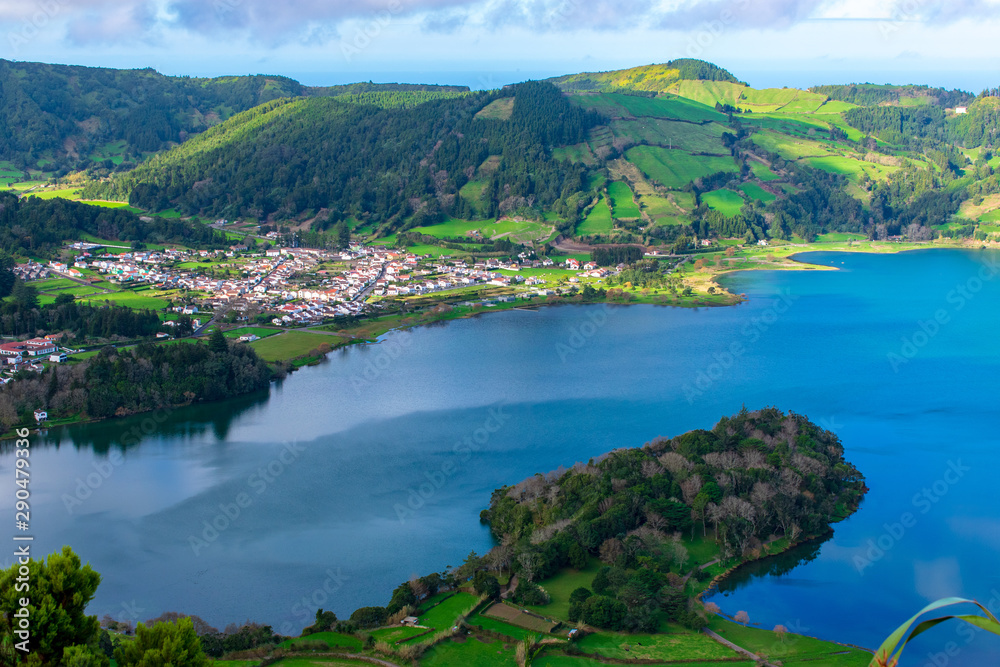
(678, 645)
(243, 331)
(562, 585)
(621, 201)
(724, 201)
(332, 639)
(675, 168)
(992, 216)
(470, 651)
(839, 237)
(764, 642)
(442, 616)
(234, 663)
(289, 345)
(598, 221)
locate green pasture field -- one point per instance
(725, 201)
(444, 615)
(763, 172)
(138, 301)
(992, 216)
(674, 168)
(677, 645)
(290, 345)
(498, 109)
(244, 331)
(709, 92)
(576, 153)
(598, 221)
(621, 201)
(793, 649)
(791, 148)
(332, 639)
(754, 191)
(469, 651)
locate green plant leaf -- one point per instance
(889, 652)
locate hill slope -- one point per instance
(60, 117)
(650, 78)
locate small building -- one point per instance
(961, 110)
(249, 338)
(59, 358)
(41, 415)
(410, 621)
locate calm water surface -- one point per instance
(315, 490)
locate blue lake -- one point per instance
(356, 474)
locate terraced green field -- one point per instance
(622, 204)
(693, 138)
(598, 221)
(992, 216)
(562, 585)
(791, 148)
(674, 168)
(630, 106)
(709, 92)
(724, 201)
(580, 153)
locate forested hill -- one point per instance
(62, 118)
(392, 167)
(754, 475)
(36, 227)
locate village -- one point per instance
(284, 287)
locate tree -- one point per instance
(486, 584)
(7, 277)
(217, 342)
(578, 556)
(780, 631)
(742, 617)
(60, 590)
(63, 298)
(163, 645)
(24, 295)
(711, 608)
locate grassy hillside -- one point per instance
(652, 78)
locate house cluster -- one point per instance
(31, 271)
(586, 270)
(29, 354)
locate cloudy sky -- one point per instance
(485, 43)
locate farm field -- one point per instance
(705, 138)
(598, 221)
(629, 106)
(513, 616)
(724, 201)
(290, 344)
(992, 216)
(674, 168)
(577, 153)
(397, 634)
(498, 109)
(621, 201)
(791, 148)
(320, 661)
